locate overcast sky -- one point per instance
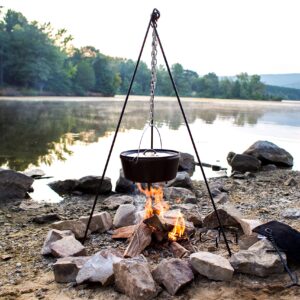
(222, 36)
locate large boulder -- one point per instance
(64, 186)
(243, 162)
(133, 278)
(269, 153)
(186, 163)
(173, 273)
(90, 185)
(13, 185)
(123, 185)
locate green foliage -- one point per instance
(85, 77)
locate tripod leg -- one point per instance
(116, 133)
(193, 142)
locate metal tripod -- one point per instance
(153, 23)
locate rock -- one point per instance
(211, 221)
(212, 266)
(133, 278)
(186, 163)
(76, 226)
(182, 179)
(98, 269)
(13, 185)
(125, 215)
(35, 173)
(246, 241)
(173, 273)
(64, 186)
(113, 202)
(90, 185)
(67, 246)
(269, 153)
(243, 163)
(221, 198)
(194, 217)
(179, 195)
(291, 213)
(248, 225)
(123, 185)
(66, 269)
(48, 218)
(53, 236)
(268, 168)
(257, 260)
(290, 182)
(101, 222)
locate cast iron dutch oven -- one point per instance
(150, 165)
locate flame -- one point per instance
(155, 203)
(178, 229)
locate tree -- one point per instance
(85, 77)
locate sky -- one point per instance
(222, 36)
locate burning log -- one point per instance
(178, 250)
(140, 240)
(124, 232)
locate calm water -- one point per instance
(71, 137)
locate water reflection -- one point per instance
(32, 133)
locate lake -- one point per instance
(71, 137)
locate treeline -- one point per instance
(35, 59)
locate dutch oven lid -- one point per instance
(150, 153)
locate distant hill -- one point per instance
(283, 93)
(283, 80)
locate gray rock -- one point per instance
(173, 273)
(67, 246)
(63, 187)
(123, 185)
(269, 153)
(243, 163)
(125, 215)
(133, 278)
(182, 179)
(113, 202)
(53, 236)
(76, 226)
(98, 269)
(13, 185)
(211, 221)
(246, 241)
(257, 260)
(186, 163)
(90, 185)
(268, 168)
(101, 222)
(194, 217)
(212, 266)
(66, 269)
(48, 218)
(221, 198)
(179, 195)
(291, 213)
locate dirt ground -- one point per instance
(26, 274)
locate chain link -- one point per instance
(153, 75)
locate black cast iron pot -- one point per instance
(150, 165)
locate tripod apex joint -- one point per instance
(155, 15)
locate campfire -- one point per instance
(157, 224)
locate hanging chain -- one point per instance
(153, 75)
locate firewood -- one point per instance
(124, 232)
(140, 240)
(178, 250)
(155, 223)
